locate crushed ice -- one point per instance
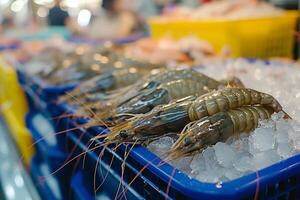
(274, 140)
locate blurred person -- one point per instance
(7, 21)
(145, 8)
(114, 21)
(188, 3)
(57, 16)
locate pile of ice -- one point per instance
(273, 141)
(280, 79)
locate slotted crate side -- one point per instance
(49, 156)
(110, 164)
(79, 189)
(51, 186)
(40, 175)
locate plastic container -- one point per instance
(42, 94)
(257, 37)
(43, 130)
(279, 181)
(80, 190)
(14, 45)
(126, 40)
(14, 107)
(48, 185)
(49, 158)
(107, 175)
(38, 89)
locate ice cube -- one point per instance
(230, 140)
(243, 163)
(223, 179)
(161, 146)
(264, 159)
(212, 175)
(277, 116)
(198, 164)
(208, 177)
(224, 154)
(296, 125)
(183, 164)
(296, 143)
(231, 173)
(210, 158)
(284, 150)
(267, 124)
(293, 134)
(282, 137)
(262, 140)
(282, 126)
(240, 145)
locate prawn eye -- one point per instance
(123, 134)
(143, 98)
(94, 109)
(187, 142)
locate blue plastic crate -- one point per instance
(44, 132)
(79, 189)
(11, 46)
(132, 38)
(81, 192)
(38, 89)
(281, 180)
(50, 187)
(51, 155)
(125, 40)
(108, 176)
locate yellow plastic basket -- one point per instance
(257, 37)
(14, 108)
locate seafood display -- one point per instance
(188, 113)
(167, 50)
(159, 89)
(193, 109)
(175, 116)
(230, 144)
(185, 115)
(219, 127)
(109, 60)
(200, 100)
(83, 63)
(145, 103)
(225, 10)
(107, 82)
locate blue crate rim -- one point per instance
(35, 80)
(241, 186)
(53, 88)
(125, 40)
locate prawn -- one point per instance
(218, 127)
(175, 116)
